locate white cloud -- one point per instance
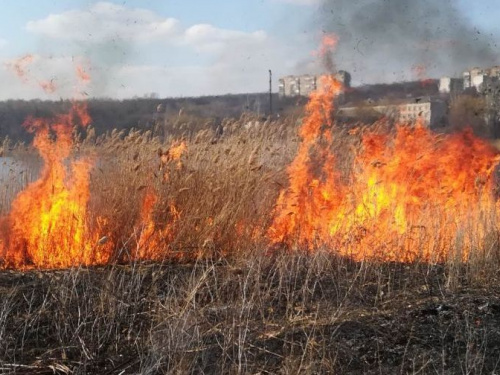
(234, 61)
(105, 21)
(205, 37)
(241, 67)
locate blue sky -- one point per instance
(173, 48)
(484, 13)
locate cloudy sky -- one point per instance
(171, 47)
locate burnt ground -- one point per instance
(261, 315)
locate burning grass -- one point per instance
(409, 194)
(383, 193)
(401, 193)
(146, 199)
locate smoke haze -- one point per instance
(382, 40)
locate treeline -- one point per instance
(392, 91)
(145, 113)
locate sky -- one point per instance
(168, 48)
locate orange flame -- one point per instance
(153, 236)
(417, 195)
(298, 210)
(412, 195)
(19, 66)
(82, 75)
(47, 225)
(328, 44)
(147, 239)
(324, 53)
(420, 70)
(174, 153)
(48, 86)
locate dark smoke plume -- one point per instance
(382, 40)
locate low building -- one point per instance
(432, 112)
(448, 85)
(291, 86)
(303, 85)
(476, 77)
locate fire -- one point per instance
(420, 71)
(174, 153)
(148, 241)
(154, 236)
(420, 196)
(48, 226)
(312, 177)
(20, 65)
(48, 86)
(177, 150)
(328, 43)
(411, 195)
(82, 75)
(324, 53)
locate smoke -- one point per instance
(381, 40)
(104, 59)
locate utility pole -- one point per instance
(270, 93)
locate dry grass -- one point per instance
(287, 313)
(222, 189)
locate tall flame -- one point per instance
(47, 226)
(411, 194)
(312, 177)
